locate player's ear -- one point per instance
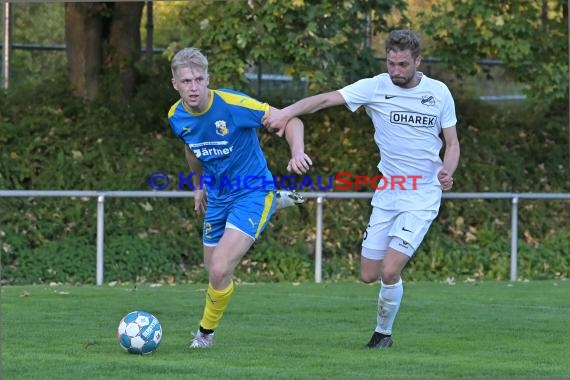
(418, 61)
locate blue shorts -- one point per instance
(248, 212)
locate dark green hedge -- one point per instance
(49, 140)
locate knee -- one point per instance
(217, 275)
(390, 277)
(368, 278)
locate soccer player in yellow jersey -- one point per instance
(233, 184)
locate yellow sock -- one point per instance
(216, 303)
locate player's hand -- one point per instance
(445, 179)
(300, 163)
(200, 201)
(275, 121)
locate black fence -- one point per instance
(31, 61)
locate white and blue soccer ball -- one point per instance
(139, 332)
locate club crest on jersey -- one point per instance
(428, 100)
(221, 128)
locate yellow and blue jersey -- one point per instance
(224, 139)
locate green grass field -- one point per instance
(286, 331)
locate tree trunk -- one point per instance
(125, 45)
(83, 39)
(103, 38)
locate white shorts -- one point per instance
(402, 231)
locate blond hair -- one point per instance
(189, 58)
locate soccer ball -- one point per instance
(139, 332)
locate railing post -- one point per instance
(319, 242)
(100, 237)
(6, 43)
(149, 30)
(514, 237)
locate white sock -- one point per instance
(389, 301)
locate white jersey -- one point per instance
(407, 124)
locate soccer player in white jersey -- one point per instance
(409, 112)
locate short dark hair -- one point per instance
(404, 39)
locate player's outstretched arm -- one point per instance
(200, 199)
(276, 120)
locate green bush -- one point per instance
(71, 260)
(58, 143)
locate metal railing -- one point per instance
(319, 197)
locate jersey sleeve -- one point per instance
(359, 93)
(448, 117)
(173, 119)
(247, 112)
